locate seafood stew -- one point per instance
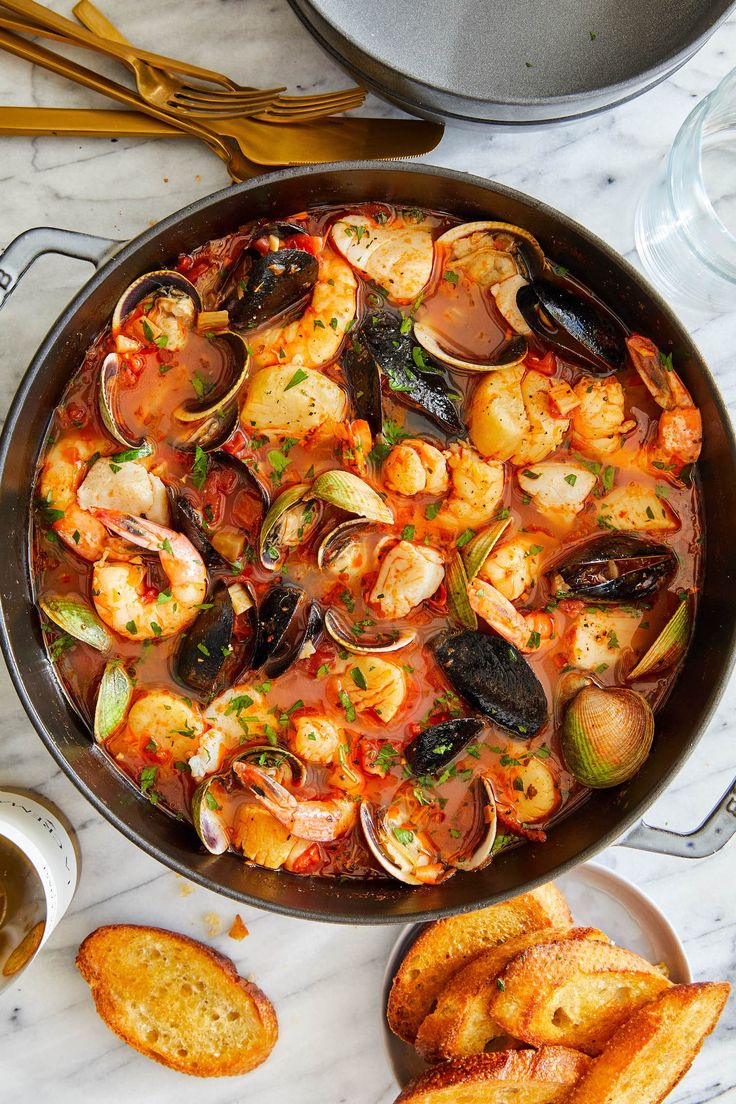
(369, 540)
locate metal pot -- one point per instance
(603, 818)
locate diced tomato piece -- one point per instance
(308, 862)
(547, 364)
(571, 606)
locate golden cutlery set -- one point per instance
(250, 129)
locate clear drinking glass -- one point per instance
(686, 221)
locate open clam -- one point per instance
(77, 619)
(616, 567)
(291, 520)
(362, 640)
(485, 263)
(158, 312)
(493, 676)
(209, 812)
(415, 855)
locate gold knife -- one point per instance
(318, 141)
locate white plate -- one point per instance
(598, 899)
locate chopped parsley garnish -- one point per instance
(407, 533)
(451, 277)
(465, 537)
(298, 377)
(199, 468)
(348, 706)
(358, 678)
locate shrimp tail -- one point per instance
(276, 798)
(144, 533)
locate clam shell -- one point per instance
(208, 822)
(669, 647)
(508, 353)
(345, 636)
(476, 552)
(163, 280)
(606, 735)
(456, 583)
(527, 248)
(106, 387)
(350, 493)
(113, 700)
(268, 550)
(240, 366)
(77, 619)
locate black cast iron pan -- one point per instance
(595, 824)
(510, 62)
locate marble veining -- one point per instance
(325, 981)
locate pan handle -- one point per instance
(29, 246)
(713, 834)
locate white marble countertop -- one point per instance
(325, 981)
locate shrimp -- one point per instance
(315, 337)
(320, 820)
(415, 467)
(116, 587)
(408, 574)
(397, 255)
(680, 426)
(599, 424)
(292, 402)
(522, 630)
(65, 466)
(357, 441)
(476, 490)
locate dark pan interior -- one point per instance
(511, 62)
(607, 813)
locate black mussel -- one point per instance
(408, 375)
(273, 283)
(185, 519)
(616, 567)
(579, 328)
(206, 649)
(493, 676)
(287, 620)
(363, 381)
(437, 745)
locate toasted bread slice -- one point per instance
(177, 1001)
(446, 946)
(461, 1024)
(523, 1076)
(572, 994)
(655, 1048)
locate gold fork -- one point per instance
(169, 92)
(239, 166)
(282, 109)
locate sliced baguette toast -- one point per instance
(177, 1001)
(461, 1024)
(445, 946)
(574, 994)
(655, 1048)
(520, 1076)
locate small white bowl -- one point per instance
(45, 841)
(598, 898)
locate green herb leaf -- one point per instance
(298, 377)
